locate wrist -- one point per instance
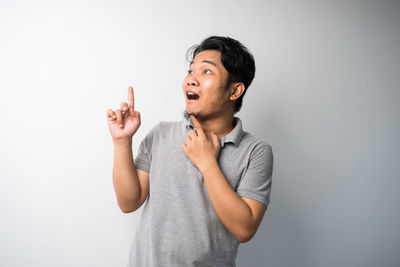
(122, 141)
(208, 165)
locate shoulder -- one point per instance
(166, 129)
(260, 156)
(170, 128)
(255, 144)
(170, 125)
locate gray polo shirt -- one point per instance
(179, 226)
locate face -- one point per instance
(204, 86)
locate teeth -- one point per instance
(192, 96)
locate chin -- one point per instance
(187, 113)
(191, 111)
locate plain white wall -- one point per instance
(325, 96)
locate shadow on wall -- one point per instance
(276, 243)
(282, 238)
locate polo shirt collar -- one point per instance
(233, 137)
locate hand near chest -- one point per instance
(200, 150)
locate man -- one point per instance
(207, 182)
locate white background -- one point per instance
(325, 96)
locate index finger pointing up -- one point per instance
(131, 99)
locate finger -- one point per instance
(188, 139)
(197, 125)
(193, 133)
(119, 117)
(124, 106)
(215, 140)
(131, 98)
(124, 110)
(111, 114)
(136, 114)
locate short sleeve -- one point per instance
(143, 157)
(257, 181)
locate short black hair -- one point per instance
(235, 57)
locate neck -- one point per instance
(221, 125)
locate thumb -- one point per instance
(215, 140)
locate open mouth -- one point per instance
(192, 96)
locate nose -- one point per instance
(192, 81)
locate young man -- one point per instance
(207, 182)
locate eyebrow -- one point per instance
(205, 61)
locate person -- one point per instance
(207, 182)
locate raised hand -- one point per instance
(124, 122)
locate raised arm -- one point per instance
(131, 185)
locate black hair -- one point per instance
(235, 57)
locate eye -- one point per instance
(206, 71)
(190, 72)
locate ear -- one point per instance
(236, 91)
